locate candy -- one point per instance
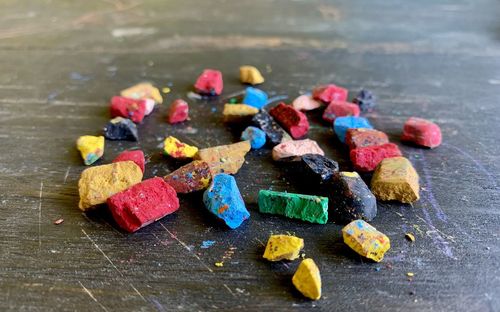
(365, 137)
(178, 111)
(143, 204)
(328, 93)
(317, 168)
(305, 103)
(128, 108)
(224, 200)
(342, 124)
(250, 74)
(350, 198)
(307, 279)
(144, 90)
(340, 109)
(91, 148)
(176, 149)
(365, 100)
(366, 240)
(98, 183)
(224, 158)
(292, 150)
(255, 97)
(209, 82)
(192, 177)
(120, 128)
(421, 132)
(366, 159)
(137, 156)
(294, 121)
(275, 134)
(238, 113)
(256, 137)
(283, 247)
(309, 208)
(395, 179)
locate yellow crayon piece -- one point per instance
(238, 112)
(366, 240)
(224, 158)
(395, 179)
(250, 74)
(307, 279)
(91, 148)
(283, 247)
(143, 90)
(176, 149)
(98, 183)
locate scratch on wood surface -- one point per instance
(40, 217)
(229, 289)
(66, 175)
(92, 296)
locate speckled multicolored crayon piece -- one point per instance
(360, 137)
(396, 179)
(192, 177)
(283, 247)
(421, 132)
(91, 148)
(224, 158)
(309, 208)
(176, 149)
(275, 134)
(366, 159)
(366, 240)
(307, 279)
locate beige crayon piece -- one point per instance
(224, 158)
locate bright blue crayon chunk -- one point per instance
(255, 97)
(341, 124)
(256, 137)
(223, 199)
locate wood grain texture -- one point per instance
(62, 61)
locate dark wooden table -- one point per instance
(61, 61)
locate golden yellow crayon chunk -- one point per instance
(395, 179)
(91, 148)
(307, 279)
(176, 149)
(224, 158)
(238, 112)
(143, 90)
(366, 240)
(98, 183)
(250, 74)
(283, 247)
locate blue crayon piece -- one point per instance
(256, 137)
(223, 199)
(255, 97)
(341, 124)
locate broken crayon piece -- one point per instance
(350, 198)
(176, 149)
(292, 150)
(98, 183)
(209, 82)
(293, 121)
(192, 177)
(178, 111)
(120, 128)
(305, 103)
(328, 93)
(396, 179)
(273, 130)
(137, 156)
(128, 108)
(421, 132)
(365, 100)
(318, 168)
(340, 109)
(283, 247)
(91, 148)
(251, 75)
(238, 113)
(366, 159)
(366, 240)
(256, 137)
(307, 279)
(342, 124)
(360, 137)
(255, 97)
(144, 90)
(309, 208)
(224, 158)
(223, 199)
(143, 204)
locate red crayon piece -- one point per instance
(136, 156)
(133, 109)
(367, 158)
(294, 121)
(178, 111)
(361, 137)
(340, 109)
(328, 93)
(421, 132)
(209, 82)
(143, 203)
